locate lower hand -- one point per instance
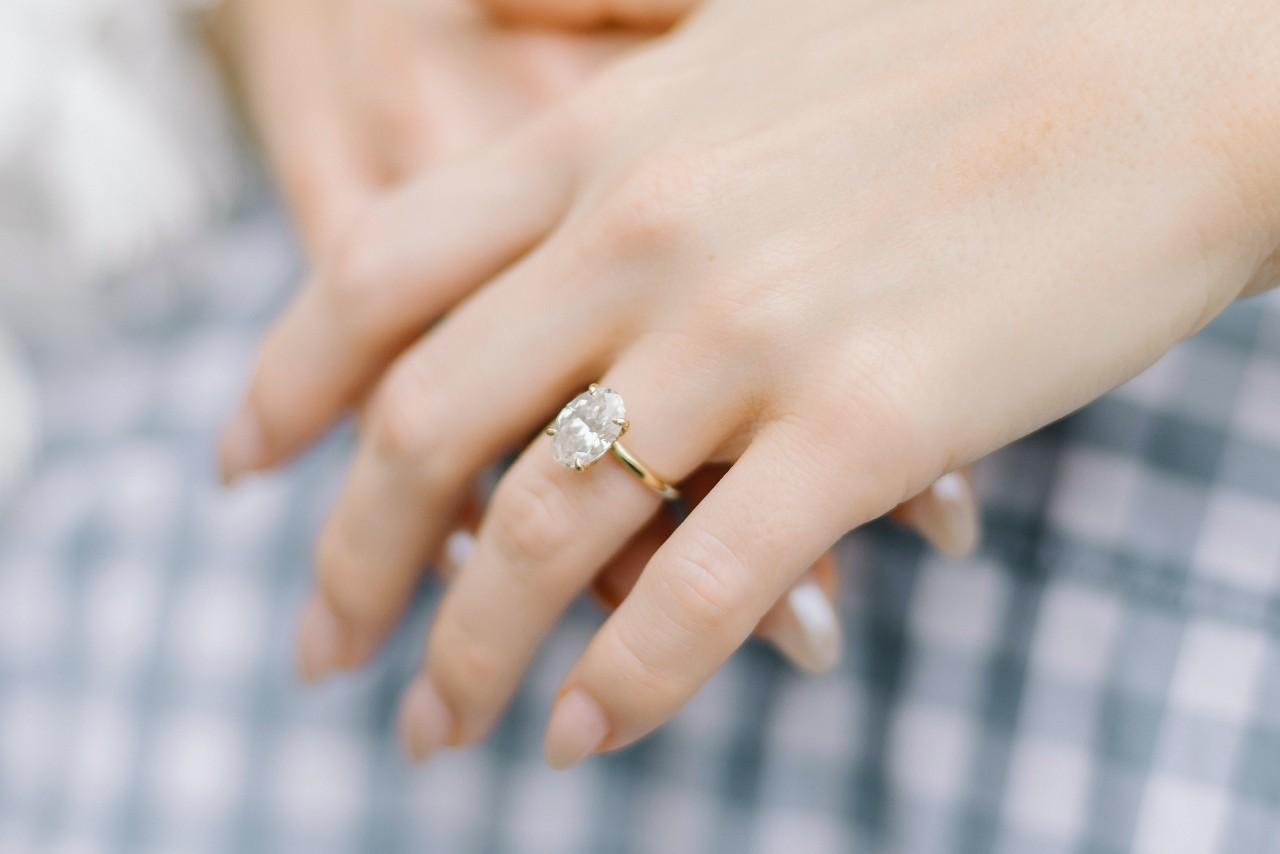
(351, 97)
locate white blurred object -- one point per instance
(114, 144)
(112, 130)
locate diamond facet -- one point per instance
(585, 429)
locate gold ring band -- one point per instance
(589, 426)
(651, 480)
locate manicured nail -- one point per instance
(578, 727)
(425, 721)
(457, 551)
(243, 446)
(949, 520)
(807, 631)
(319, 642)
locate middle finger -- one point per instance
(455, 401)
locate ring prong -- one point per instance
(623, 423)
(577, 466)
(550, 431)
(593, 389)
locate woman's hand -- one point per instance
(846, 248)
(351, 97)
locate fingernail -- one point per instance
(319, 642)
(242, 448)
(425, 721)
(808, 631)
(950, 520)
(457, 551)
(578, 727)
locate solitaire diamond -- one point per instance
(585, 429)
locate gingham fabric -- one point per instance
(1103, 677)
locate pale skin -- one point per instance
(843, 249)
(350, 99)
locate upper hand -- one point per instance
(845, 248)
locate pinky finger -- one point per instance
(803, 625)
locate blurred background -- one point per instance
(1104, 676)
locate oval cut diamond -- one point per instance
(587, 426)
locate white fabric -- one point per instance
(114, 143)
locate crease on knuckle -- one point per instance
(631, 655)
(352, 283)
(345, 585)
(401, 426)
(706, 581)
(533, 520)
(650, 208)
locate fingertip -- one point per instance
(807, 630)
(577, 728)
(243, 447)
(320, 639)
(425, 723)
(958, 527)
(946, 515)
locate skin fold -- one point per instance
(841, 249)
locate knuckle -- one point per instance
(533, 519)
(632, 653)
(400, 424)
(707, 582)
(396, 425)
(345, 586)
(650, 210)
(350, 281)
(347, 271)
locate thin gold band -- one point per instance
(651, 480)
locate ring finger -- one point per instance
(547, 533)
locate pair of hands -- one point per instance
(829, 253)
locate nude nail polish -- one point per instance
(425, 722)
(577, 729)
(951, 521)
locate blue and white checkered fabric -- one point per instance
(1103, 677)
